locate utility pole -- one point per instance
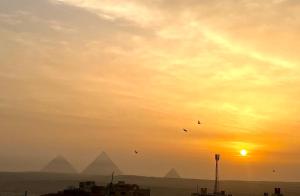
(110, 186)
(216, 189)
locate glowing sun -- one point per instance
(243, 152)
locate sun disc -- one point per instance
(243, 152)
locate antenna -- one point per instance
(216, 188)
(112, 177)
(110, 186)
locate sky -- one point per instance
(79, 77)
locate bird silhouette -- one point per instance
(199, 122)
(185, 130)
(136, 152)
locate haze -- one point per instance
(79, 77)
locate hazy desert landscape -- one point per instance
(15, 184)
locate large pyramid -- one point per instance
(172, 174)
(59, 165)
(102, 165)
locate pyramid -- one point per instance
(59, 165)
(102, 165)
(172, 174)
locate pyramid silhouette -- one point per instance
(102, 165)
(172, 174)
(59, 165)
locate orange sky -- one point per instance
(81, 76)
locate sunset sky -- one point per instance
(79, 77)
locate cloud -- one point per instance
(113, 10)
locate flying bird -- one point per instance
(199, 122)
(136, 152)
(185, 130)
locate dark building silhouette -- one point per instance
(277, 192)
(90, 188)
(203, 192)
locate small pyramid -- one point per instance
(102, 165)
(59, 165)
(172, 174)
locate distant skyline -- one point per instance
(79, 77)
